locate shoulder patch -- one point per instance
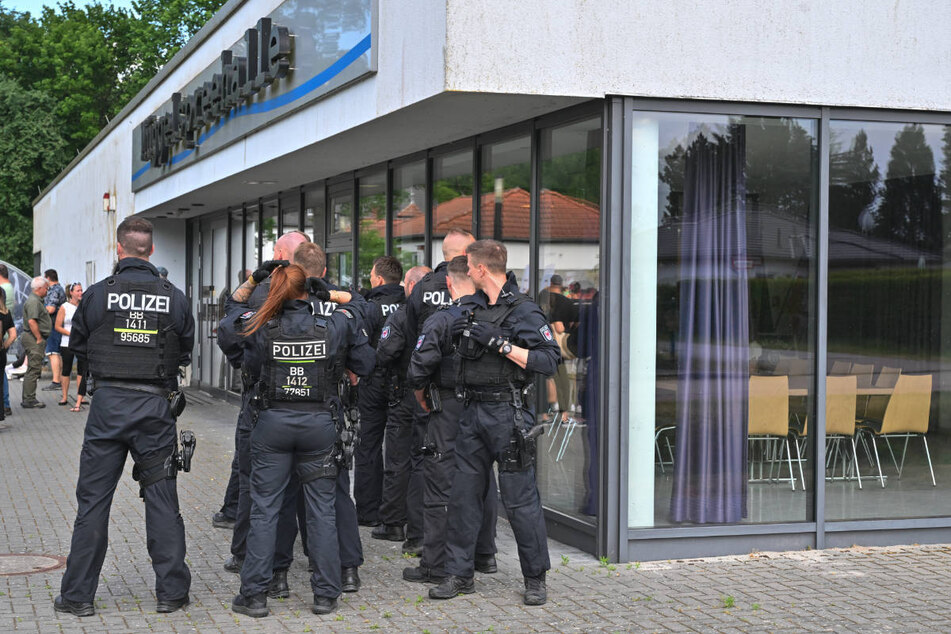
(419, 342)
(385, 333)
(346, 312)
(247, 315)
(546, 333)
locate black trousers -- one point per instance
(287, 524)
(284, 442)
(122, 421)
(485, 430)
(402, 468)
(348, 531)
(229, 506)
(368, 454)
(438, 473)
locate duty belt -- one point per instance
(149, 388)
(299, 406)
(490, 396)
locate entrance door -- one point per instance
(212, 293)
(340, 228)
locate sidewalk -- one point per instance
(858, 589)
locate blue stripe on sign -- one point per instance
(280, 101)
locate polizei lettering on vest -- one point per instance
(138, 301)
(298, 350)
(389, 308)
(437, 298)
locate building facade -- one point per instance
(736, 215)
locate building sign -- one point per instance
(300, 52)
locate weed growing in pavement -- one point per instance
(604, 562)
(386, 557)
(375, 626)
(419, 599)
(408, 556)
(564, 560)
(728, 601)
(339, 617)
(362, 608)
(387, 615)
(755, 606)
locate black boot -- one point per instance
(220, 520)
(391, 533)
(278, 589)
(486, 564)
(234, 565)
(349, 579)
(255, 606)
(413, 547)
(536, 593)
(422, 574)
(77, 608)
(323, 605)
(452, 586)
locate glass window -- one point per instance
(234, 278)
(252, 238)
(452, 197)
(341, 214)
(315, 214)
(290, 210)
(569, 262)
(889, 300)
(340, 268)
(409, 222)
(722, 312)
(268, 234)
(505, 210)
(372, 234)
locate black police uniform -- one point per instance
(231, 343)
(302, 357)
(433, 367)
(384, 300)
(486, 432)
(402, 501)
(136, 329)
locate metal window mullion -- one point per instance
(300, 209)
(260, 231)
(388, 213)
(477, 189)
(428, 215)
(822, 291)
(244, 238)
(534, 206)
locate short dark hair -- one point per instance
(4, 271)
(389, 268)
(458, 267)
(51, 274)
(490, 253)
(310, 256)
(135, 236)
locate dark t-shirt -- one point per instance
(6, 323)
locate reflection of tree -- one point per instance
(855, 184)
(673, 176)
(911, 205)
(372, 245)
(516, 175)
(268, 233)
(449, 187)
(945, 178)
(577, 174)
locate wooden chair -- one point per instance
(769, 419)
(906, 415)
(841, 392)
(840, 368)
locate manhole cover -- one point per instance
(28, 563)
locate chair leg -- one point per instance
(792, 475)
(928, 453)
(855, 456)
(802, 477)
(879, 464)
(904, 452)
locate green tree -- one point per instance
(855, 184)
(33, 152)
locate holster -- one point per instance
(433, 399)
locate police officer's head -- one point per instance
(413, 276)
(310, 257)
(386, 270)
(134, 238)
(287, 283)
(487, 260)
(286, 245)
(455, 242)
(457, 278)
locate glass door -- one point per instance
(340, 226)
(212, 293)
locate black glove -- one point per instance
(318, 288)
(459, 325)
(266, 269)
(486, 334)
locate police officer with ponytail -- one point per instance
(302, 356)
(135, 329)
(503, 343)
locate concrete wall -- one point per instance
(842, 52)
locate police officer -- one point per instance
(303, 357)
(136, 330)
(385, 297)
(432, 374)
(402, 499)
(250, 296)
(504, 342)
(431, 293)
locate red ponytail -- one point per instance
(287, 282)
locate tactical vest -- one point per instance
(298, 368)
(435, 294)
(448, 374)
(136, 340)
(479, 367)
(387, 305)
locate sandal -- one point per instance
(75, 409)
(63, 403)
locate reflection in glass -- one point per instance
(290, 210)
(251, 241)
(452, 197)
(505, 212)
(234, 278)
(569, 263)
(409, 222)
(889, 197)
(725, 208)
(340, 268)
(372, 224)
(315, 214)
(268, 235)
(341, 215)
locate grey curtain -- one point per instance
(710, 483)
